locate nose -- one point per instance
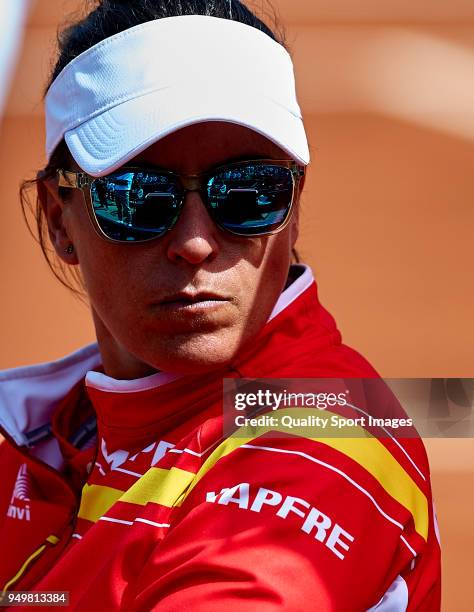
(194, 237)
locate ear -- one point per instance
(53, 207)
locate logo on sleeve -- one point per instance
(313, 522)
(19, 507)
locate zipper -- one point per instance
(52, 540)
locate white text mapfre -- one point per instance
(314, 522)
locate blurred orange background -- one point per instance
(387, 91)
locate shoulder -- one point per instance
(28, 395)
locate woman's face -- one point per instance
(141, 294)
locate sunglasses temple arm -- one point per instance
(73, 180)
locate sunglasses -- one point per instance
(133, 204)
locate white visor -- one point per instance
(132, 89)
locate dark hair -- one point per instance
(101, 20)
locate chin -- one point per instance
(196, 354)
(192, 364)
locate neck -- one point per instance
(117, 362)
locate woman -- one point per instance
(119, 486)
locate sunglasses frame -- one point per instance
(194, 182)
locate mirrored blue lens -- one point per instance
(251, 198)
(135, 205)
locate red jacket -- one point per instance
(164, 512)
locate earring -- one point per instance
(69, 250)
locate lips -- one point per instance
(184, 297)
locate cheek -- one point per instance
(294, 225)
(279, 249)
(265, 281)
(114, 276)
(105, 267)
